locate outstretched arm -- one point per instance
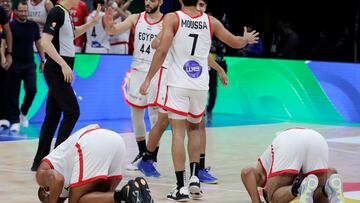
(79, 30)
(231, 40)
(111, 28)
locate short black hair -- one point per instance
(96, 2)
(23, 2)
(190, 2)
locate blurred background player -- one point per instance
(97, 40)
(79, 14)
(147, 26)
(120, 42)
(38, 11)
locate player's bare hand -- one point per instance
(8, 62)
(108, 18)
(97, 14)
(251, 37)
(68, 73)
(144, 87)
(224, 78)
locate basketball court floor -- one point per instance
(232, 143)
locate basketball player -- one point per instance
(159, 128)
(79, 14)
(187, 33)
(293, 153)
(87, 167)
(98, 41)
(38, 11)
(120, 42)
(147, 26)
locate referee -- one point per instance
(58, 43)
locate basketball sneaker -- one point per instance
(206, 177)
(130, 193)
(5, 124)
(334, 189)
(15, 128)
(307, 188)
(144, 189)
(148, 168)
(194, 188)
(133, 166)
(181, 195)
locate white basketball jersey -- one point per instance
(144, 34)
(37, 12)
(190, 50)
(97, 38)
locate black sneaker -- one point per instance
(144, 189)
(130, 193)
(133, 166)
(181, 195)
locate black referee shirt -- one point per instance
(59, 24)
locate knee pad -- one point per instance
(153, 114)
(137, 118)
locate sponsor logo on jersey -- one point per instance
(193, 69)
(53, 25)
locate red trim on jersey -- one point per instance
(201, 13)
(124, 94)
(272, 158)
(197, 116)
(48, 162)
(178, 18)
(210, 27)
(264, 171)
(137, 21)
(119, 42)
(166, 97)
(154, 23)
(324, 170)
(88, 132)
(292, 171)
(81, 162)
(297, 128)
(102, 177)
(158, 86)
(175, 111)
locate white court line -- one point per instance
(344, 151)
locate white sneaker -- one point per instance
(194, 188)
(334, 189)
(15, 128)
(181, 195)
(4, 123)
(24, 121)
(307, 188)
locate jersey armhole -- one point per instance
(210, 27)
(137, 20)
(178, 20)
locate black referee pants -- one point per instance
(61, 100)
(17, 73)
(4, 103)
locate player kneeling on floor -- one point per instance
(295, 164)
(88, 167)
